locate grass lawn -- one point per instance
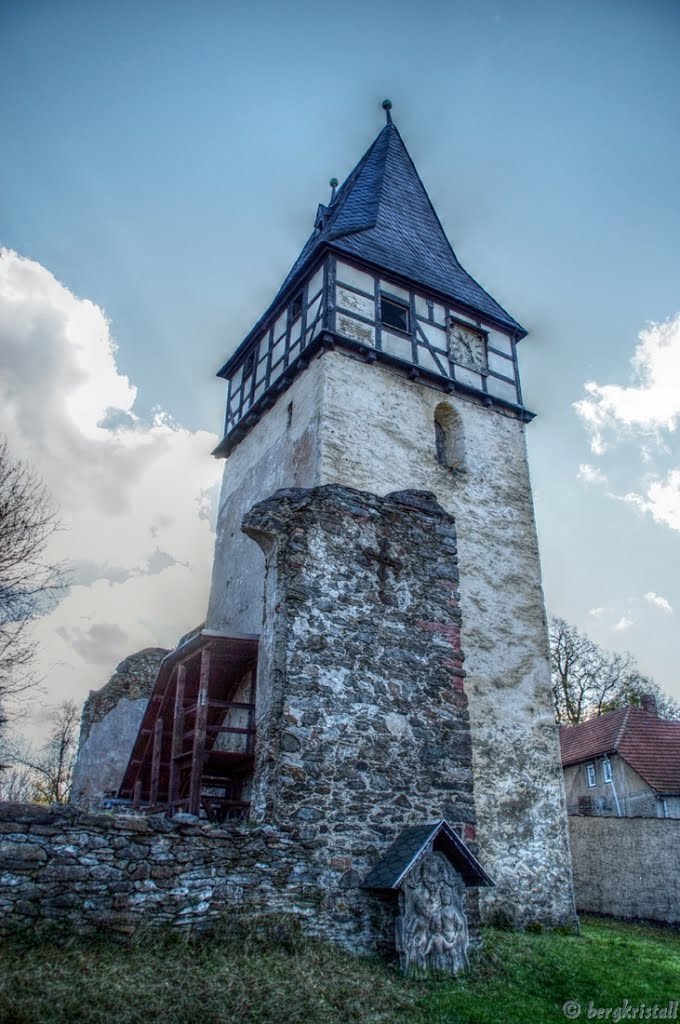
(519, 977)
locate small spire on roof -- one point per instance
(387, 106)
(333, 184)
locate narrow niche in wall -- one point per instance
(449, 439)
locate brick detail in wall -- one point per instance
(363, 725)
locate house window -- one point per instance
(591, 777)
(394, 314)
(607, 770)
(296, 308)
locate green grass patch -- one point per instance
(251, 979)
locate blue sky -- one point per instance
(163, 160)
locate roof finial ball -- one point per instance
(333, 184)
(387, 106)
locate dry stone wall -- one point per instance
(67, 867)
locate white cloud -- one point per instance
(661, 500)
(659, 602)
(590, 474)
(625, 622)
(651, 403)
(136, 497)
(597, 613)
(647, 411)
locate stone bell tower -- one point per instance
(383, 367)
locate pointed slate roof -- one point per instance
(649, 744)
(382, 215)
(409, 847)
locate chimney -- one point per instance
(648, 702)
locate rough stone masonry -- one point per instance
(519, 792)
(108, 726)
(361, 712)
(362, 731)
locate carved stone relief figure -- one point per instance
(431, 929)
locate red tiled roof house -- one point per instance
(623, 764)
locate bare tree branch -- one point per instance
(50, 768)
(588, 681)
(29, 581)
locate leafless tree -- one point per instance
(51, 766)
(29, 581)
(17, 784)
(588, 681)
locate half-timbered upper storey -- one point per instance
(379, 277)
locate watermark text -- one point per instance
(572, 1010)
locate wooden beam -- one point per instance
(221, 705)
(198, 752)
(250, 743)
(177, 737)
(137, 795)
(215, 729)
(156, 761)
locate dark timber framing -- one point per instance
(280, 345)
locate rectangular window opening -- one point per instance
(590, 775)
(296, 308)
(394, 314)
(248, 365)
(607, 770)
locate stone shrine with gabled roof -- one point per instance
(375, 518)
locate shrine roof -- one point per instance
(410, 845)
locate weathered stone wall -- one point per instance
(521, 815)
(282, 450)
(627, 867)
(122, 872)
(369, 427)
(361, 713)
(109, 723)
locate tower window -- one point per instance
(296, 307)
(448, 438)
(248, 365)
(394, 314)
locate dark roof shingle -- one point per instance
(410, 845)
(383, 215)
